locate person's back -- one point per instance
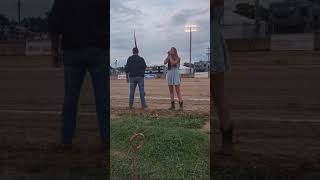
(136, 66)
(80, 23)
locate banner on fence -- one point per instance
(122, 76)
(150, 76)
(201, 75)
(38, 48)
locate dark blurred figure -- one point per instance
(81, 27)
(219, 65)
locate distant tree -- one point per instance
(248, 10)
(4, 21)
(35, 24)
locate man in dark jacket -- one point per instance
(82, 28)
(135, 69)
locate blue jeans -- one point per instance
(76, 64)
(133, 84)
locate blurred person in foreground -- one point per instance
(219, 65)
(82, 29)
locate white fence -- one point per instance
(201, 75)
(41, 47)
(286, 42)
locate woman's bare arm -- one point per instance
(166, 60)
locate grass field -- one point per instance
(175, 146)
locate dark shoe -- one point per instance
(172, 106)
(181, 105)
(144, 107)
(227, 143)
(130, 107)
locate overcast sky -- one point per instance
(39, 7)
(159, 25)
(33, 8)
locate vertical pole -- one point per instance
(190, 48)
(19, 11)
(257, 17)
(208, 54)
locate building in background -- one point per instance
(294, 16)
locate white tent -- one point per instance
(184, 70)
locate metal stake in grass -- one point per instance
(135, 147)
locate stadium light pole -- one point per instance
(19, 11)
(190, 28)
(257, 17)
(116, 63)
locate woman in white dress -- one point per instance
(173, 76)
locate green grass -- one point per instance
(175, 146)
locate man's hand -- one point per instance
(56, 56)
(56, 59)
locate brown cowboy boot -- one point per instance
(172, 106)
(181, 105)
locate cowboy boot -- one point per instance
(181, 105)
(172, 106)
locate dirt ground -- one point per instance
(274, 100)
(195, 93)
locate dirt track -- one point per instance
(274, 98)
(195, 93)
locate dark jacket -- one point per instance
(135, 66)
(82, 23)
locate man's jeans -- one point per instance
(133, 85)
(76, 64)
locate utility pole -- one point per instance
(19, 11)
(257, 17)
(190, 28)
(208, 53)
(116, 63)
(190, 49)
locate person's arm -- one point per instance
(166, 61)
(55, 42)
(126, 68)
(144, 64)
